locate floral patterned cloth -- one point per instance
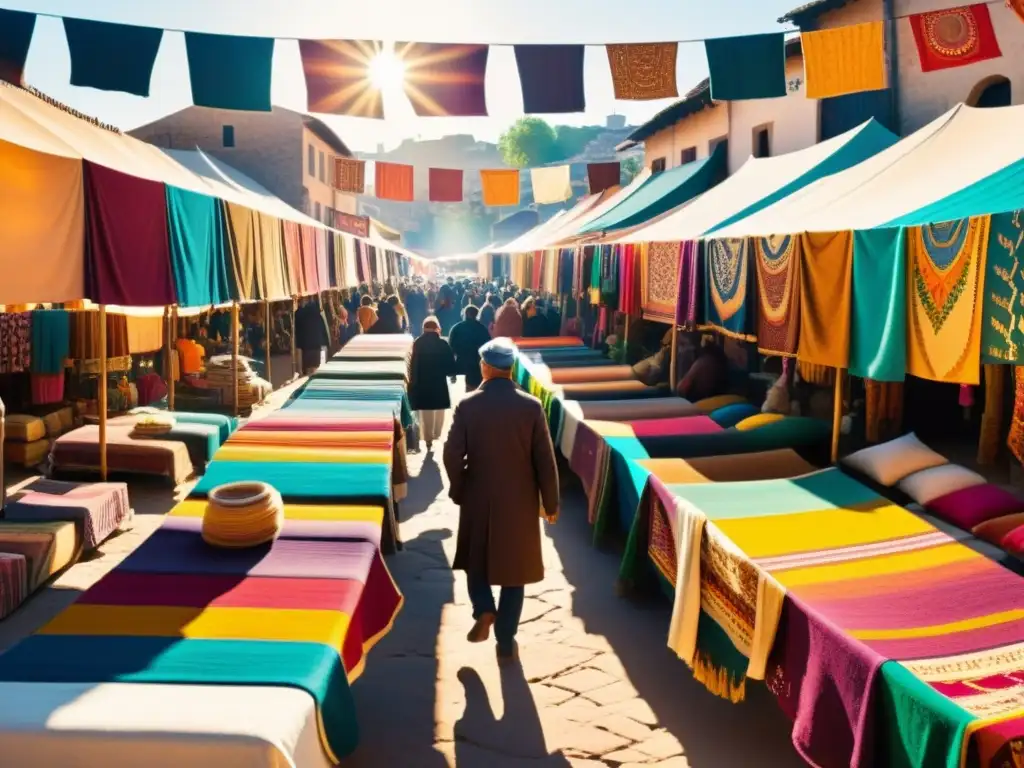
(15, 342)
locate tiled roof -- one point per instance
(812, 10)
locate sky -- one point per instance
(498, 22)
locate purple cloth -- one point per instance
(689, 284)
(97, 509)
(445, 79)
(551, 77)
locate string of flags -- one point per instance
(442, 79)
(500, 186)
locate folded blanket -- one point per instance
(303, 481)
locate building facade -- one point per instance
(289, 153)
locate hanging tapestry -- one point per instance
(729, 283)
(1015, 440)
(445, 80)
(661, 280)
(1002, 307)
(955, 37)
(445, 185)
(500, 187)
(691, 283)
(350, 175)
(551, 78)
(878, 321)
(112, 57)
(747, 67)
(843, 60)
(602, 176)
(338, 80)
(1017, 6)
(643, 71)
(778, 294)
(947, 281)
(393, 181)
(825, 267)
(16, 29)
(229, 72)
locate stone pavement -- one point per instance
(597, 685)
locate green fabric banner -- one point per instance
(878, 325)
(230, 72)
(1002, 306)
(199, 256)
(748, 67)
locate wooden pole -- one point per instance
(268, 334)
(101, 396)
(173, 341)
(837, 414)
(295, 366)
(672, 373)
(234, 357)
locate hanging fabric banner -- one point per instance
(551, 185)
(291, 242)
(644, 71)
(602, 176)
(844, 60)
(350, 175)
(272, 269)
(878, 325)
(955, 37)
(196, 231)
(1002, 308)
(551, 78)
(660, 280)
(354, 225)
(229, 72)
(690, 290)
(16, 28)
(778, 292)
(500, 187)
(749, 67)
(445, 185)
(825, 275)
(246, 250)
(729, 288)
(338, 81)
(443, 80)
(393, 181)
(112, 57)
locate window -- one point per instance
(311, 160)
(688, 155)
(228, 136)
(322, 167)
(763, 141)
(316, 208)
(658, 165)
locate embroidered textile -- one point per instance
(644, 71)
(338, 78)
(728, 287)
(847, 59)
(778, 293)
(946, 280)
(15, 342)
(1015, 440)
(445, 185)
(1002, 308)
(602, 176)
(691, 285)
(444, 79)
(393, 181)
(955, 37)
(500, 187)
(660, 281)
(661, 546)
(350, 175)
(551, 77)
(825, 277)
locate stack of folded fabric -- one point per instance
(26, 442)
(251, 388)
(13, 582)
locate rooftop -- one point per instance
(812, 10)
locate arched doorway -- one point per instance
(993, 91)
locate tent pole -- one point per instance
(267, 336)
(101, 395)
(837, 414)
(672, 359)
(234, 357)
(173, 344)
(294, 352)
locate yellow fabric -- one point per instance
(338, 439)
(890, 565)
(145, 334)
(936, 630)
(709, 404)
(673, 471)
(318, 455)
(271, 275)
(759, 420)
(550, 185)
(500, 187)
(246, 248)
(320, 512)
(42, 226)
(825, 283)
(947, 348)
(846, 59)
(610, 428)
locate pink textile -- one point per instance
(151, 388)
(966, 396)
(47, 388)
(1013, 542)
(970, 507)
(13, 582)
(676, 426)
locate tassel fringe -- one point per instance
(718, 680)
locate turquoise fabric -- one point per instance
(51, 340)
(663, 192)
(299, 481)
(198, 235)
(1002, 340)
(731, 415)
(229, 72)
(112, 57)
(748, 67)
(878, 323)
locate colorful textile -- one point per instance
(551, 77)
(778, 291)
(955, 37)
(1015, 439)
(349, 174)
(748, 67)
(246, 248)
(691, 285)
(602, 176)
(145, 333)
(338, 81)
(16, 28)
(443, 79)
(825, 276)
(47, 388)
(643, 71)
(947, 275)
(197, 231)
(660, 280)
(500, 187)
(393, 181)
(1002, 330)
(272, 278)
(127, 255)
(728, 287)
(551, 184)
(883, 410)
(13, 582)
(112, 57)
(51, 340)
(229, 72)
(445, 185)
(878, 337)
(846, 59)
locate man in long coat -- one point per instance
(501, 470)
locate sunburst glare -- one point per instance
(386, 70)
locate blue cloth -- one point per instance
(731, 415)
(878, 322)
(499, 353)
(551, 77)
(112, 57)
(229, 72)
(16, 28)
(508, 611)
(198, 236)
(748, 67)
(51, 340)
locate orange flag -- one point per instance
(500, 187)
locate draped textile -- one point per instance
(272, 281)
(500, 187)
(728, 292)
(1002, 307)
(632, 263)
(825, 277)
(112, 57)
(551, 185)
(992, 416)
(1015, 440)
(307, 239)
(145, 334)
(349, 173)
(85, 335)
(393, 181)
(197, 233)
(602, 176)
(229, 72)
(955, 37)
(747, 67)
(946, 275)
(660, 280)
(643, 71)
(445, 79)
(15, 342)
(778, 293)
(878, 327)
(445, 185)
(551, 78)
(128, 259)
(292, 242)
(846, 59)
(323, 256)
(691, 285)
(883, 410)
(246, 250)
(338, 82)
(51, 340)
(16, 29)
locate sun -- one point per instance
(386, 70)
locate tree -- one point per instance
(629, 168)
(529, 142)
(573, 139)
